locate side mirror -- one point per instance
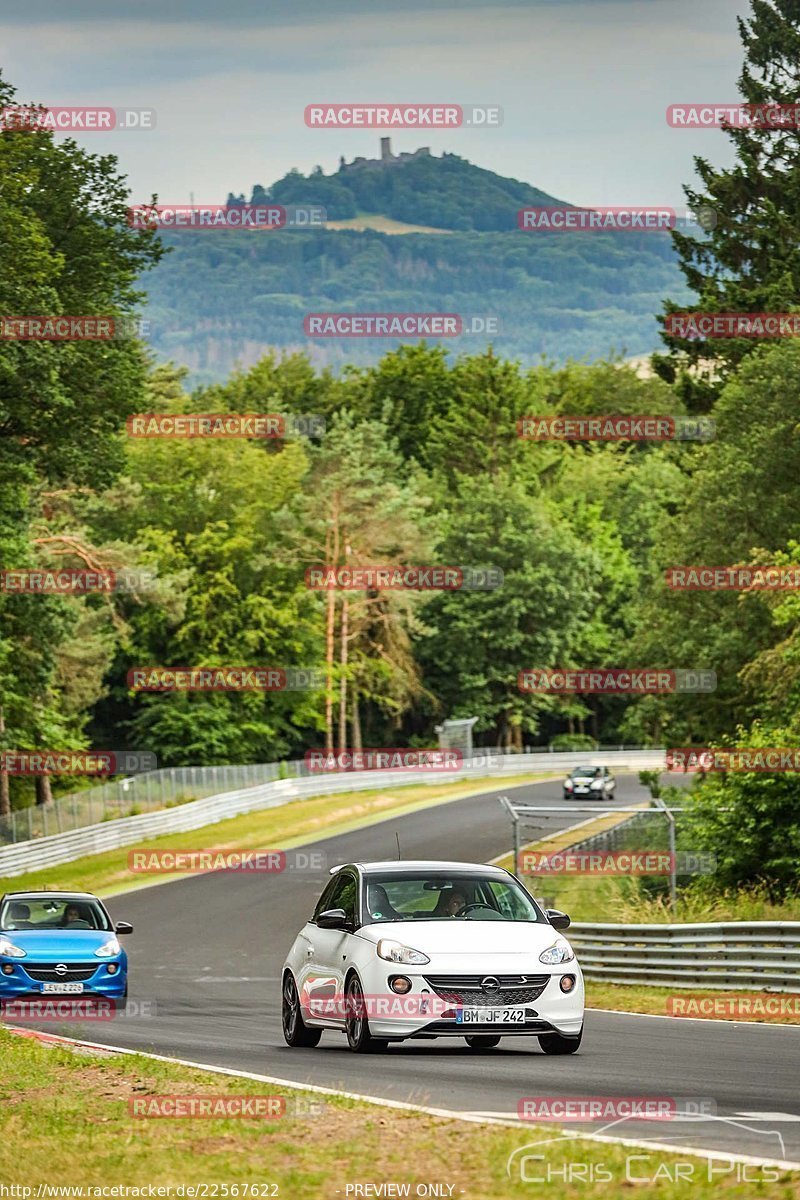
(122, 927)
(333, 918)
(558, 919)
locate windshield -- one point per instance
(446, 897)
(587, 773)
(51, 912)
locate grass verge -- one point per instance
(65, 1120)
(782, 1008)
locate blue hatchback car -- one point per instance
(61, 944)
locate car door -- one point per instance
(322, 985)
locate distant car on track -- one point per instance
(411, 950)
(596, 783)
(61, 944)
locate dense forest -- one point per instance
(226, 298)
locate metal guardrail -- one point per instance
(716, 955)
(168, 787)
(57, 848)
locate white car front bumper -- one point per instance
(548, 1009)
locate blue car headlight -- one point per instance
(9, 950)
(109, 949)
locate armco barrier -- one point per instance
(20, 857)
(718, 955)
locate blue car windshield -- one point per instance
(51, 912)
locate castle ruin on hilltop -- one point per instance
(387, 158)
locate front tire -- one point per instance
(482, 1042)
(556, 1043)
(295, 1030)
(359, 1037)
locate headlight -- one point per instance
(8, 948)
(109, 950)
(597, 783)
(559, 952)
(568, 784)
(397, 952)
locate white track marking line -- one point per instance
(623, 1012)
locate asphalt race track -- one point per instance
(207, 953)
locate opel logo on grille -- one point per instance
(490, 984)
(61, 969)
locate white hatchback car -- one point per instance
(398, 950)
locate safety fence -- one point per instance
(288, 782)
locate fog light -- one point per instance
(112, 968)
(567, 983)
(399, 984)
(8, 969)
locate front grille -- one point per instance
(467, 990)
(46, 972)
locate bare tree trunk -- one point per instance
(517, 732)
(595, 733)
(5, 795)
(44, 794)
(329, 670)
(570, 724)
(343, 680)
(357, 742)
(333, 560)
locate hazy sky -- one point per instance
(584, 84)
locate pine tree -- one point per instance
(750, 261)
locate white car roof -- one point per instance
(47, 893)
(421, 864)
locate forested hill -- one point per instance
(225, 298)
(419, 189)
